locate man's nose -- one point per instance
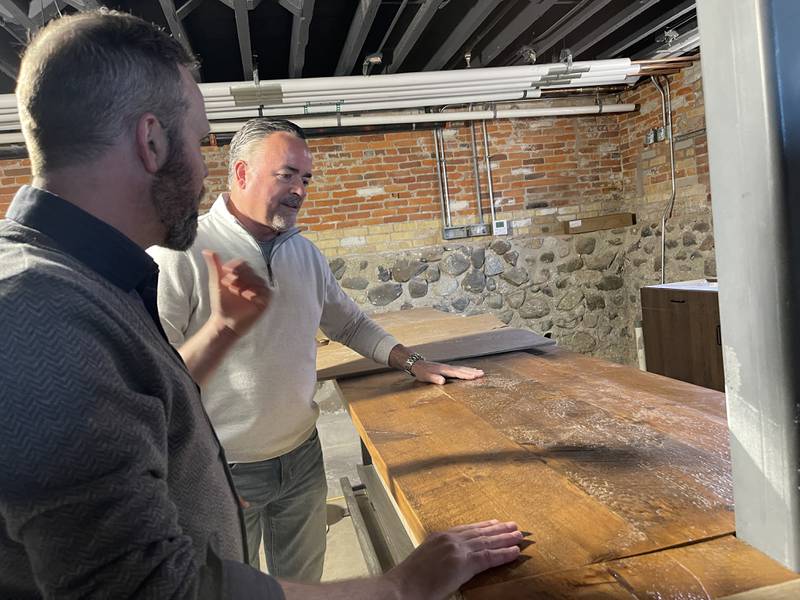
(299, 189)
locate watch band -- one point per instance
(411, 361)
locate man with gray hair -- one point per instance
(261, 399)
(112, 482)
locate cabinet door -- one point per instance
(666, 326)
(682, 335)
(705, 340)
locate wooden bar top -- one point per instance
(621, 477)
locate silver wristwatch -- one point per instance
(411, 361)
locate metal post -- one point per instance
(488, 160)
(752, 97)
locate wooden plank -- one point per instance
(685, 412)
(600, 461)
(444, 466)
(410, 327)
(699, 571)
(597, 223)
(658, 473)
(448, 350)
(789, 590)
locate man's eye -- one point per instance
(285, 176)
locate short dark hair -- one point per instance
(87, 78)
(254, 131)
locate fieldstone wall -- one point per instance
(582, 290)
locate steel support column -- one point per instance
(752, 97)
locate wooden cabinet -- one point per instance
(682, 337)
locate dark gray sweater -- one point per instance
(112, 482)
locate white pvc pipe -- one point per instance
(234, 112)
(347, 120)
(460, 75)
(352, 121)
(378, 95)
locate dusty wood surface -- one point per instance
(702, 571)
(789, 590)
(607, 467)
(505, 339)
(436, 335)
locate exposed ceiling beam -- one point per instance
(458, 37)
(515, 28)
(187, 7)
(300, 27)
(293, 6)
(243, 31)
(359, 28)
(18, 32)
(571, 21)
(175, 24)
(611, 25)
(82, 5)
(418, 24)
(251, 4)
(16, 14)
(9, 61)
(42, 12)
(675, 13)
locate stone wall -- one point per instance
(581, 290)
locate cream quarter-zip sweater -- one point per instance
(260, 399)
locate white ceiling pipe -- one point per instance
(350, 121)
(210, 90)
(427, 77)
(11, 138)
(250, 97)
(429, 99)
(351, 83)
(235, 112)
(521, 81)
(347, 120)
(286, 92)
(415, 94)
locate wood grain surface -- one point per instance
(437, 335)
(622, 478)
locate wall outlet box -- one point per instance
(500, 228)
(478, 229)
(454, 233)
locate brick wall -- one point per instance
(13, 173)
(646, 184)
(372, 191)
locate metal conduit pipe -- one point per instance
(445, 212)
(442, 160)
(488, 170)
(666, 115)
(475, 170)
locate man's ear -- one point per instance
(152, 145)
(240, 174)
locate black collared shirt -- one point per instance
(95, 243)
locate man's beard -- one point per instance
(283, 222)
(171, 193)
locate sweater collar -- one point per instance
(74, 231)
